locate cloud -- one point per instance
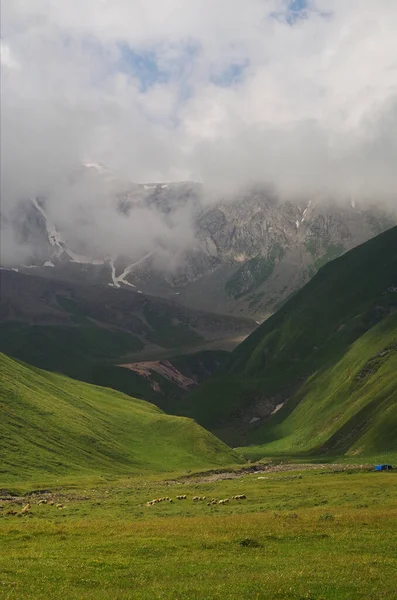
(300, 95)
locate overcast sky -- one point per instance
(301, 95)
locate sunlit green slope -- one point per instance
(50, 424)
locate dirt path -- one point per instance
(210, 476)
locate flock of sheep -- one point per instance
(213, 501)
(27, 508)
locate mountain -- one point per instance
(244, 254)
(320, 375)
(54, 426)
(256, 251)
(70, 328)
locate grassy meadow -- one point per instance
(315, 531)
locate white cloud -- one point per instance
(314, 106)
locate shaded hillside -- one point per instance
(51, 424)
(291, 361)
(164, 382)
(67, 327)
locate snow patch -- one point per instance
(54, 238)
(119, 279)
(297, 224)
(277, 408)
(113, 275)
(83, 260)
(94, 165)
(48, 263)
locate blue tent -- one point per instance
(383, 468)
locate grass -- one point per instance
(323, 535)
(52, 424)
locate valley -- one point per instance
(291, 421)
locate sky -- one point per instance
(299, 95)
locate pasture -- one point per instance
(303, 532)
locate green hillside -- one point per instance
(348, 408)
(326, 360)
(52, 425)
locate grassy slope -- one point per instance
(349, 407)
(311, 338)
(51, 424)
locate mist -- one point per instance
(297, 96)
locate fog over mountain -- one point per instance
(297, 97)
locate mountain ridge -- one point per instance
(245, 254)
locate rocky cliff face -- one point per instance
(243, 256)
(255, 252)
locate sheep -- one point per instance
(182, 497)
(240, 497)
(224, 501)
(42, 502)
(26, 509)
(157, 500)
